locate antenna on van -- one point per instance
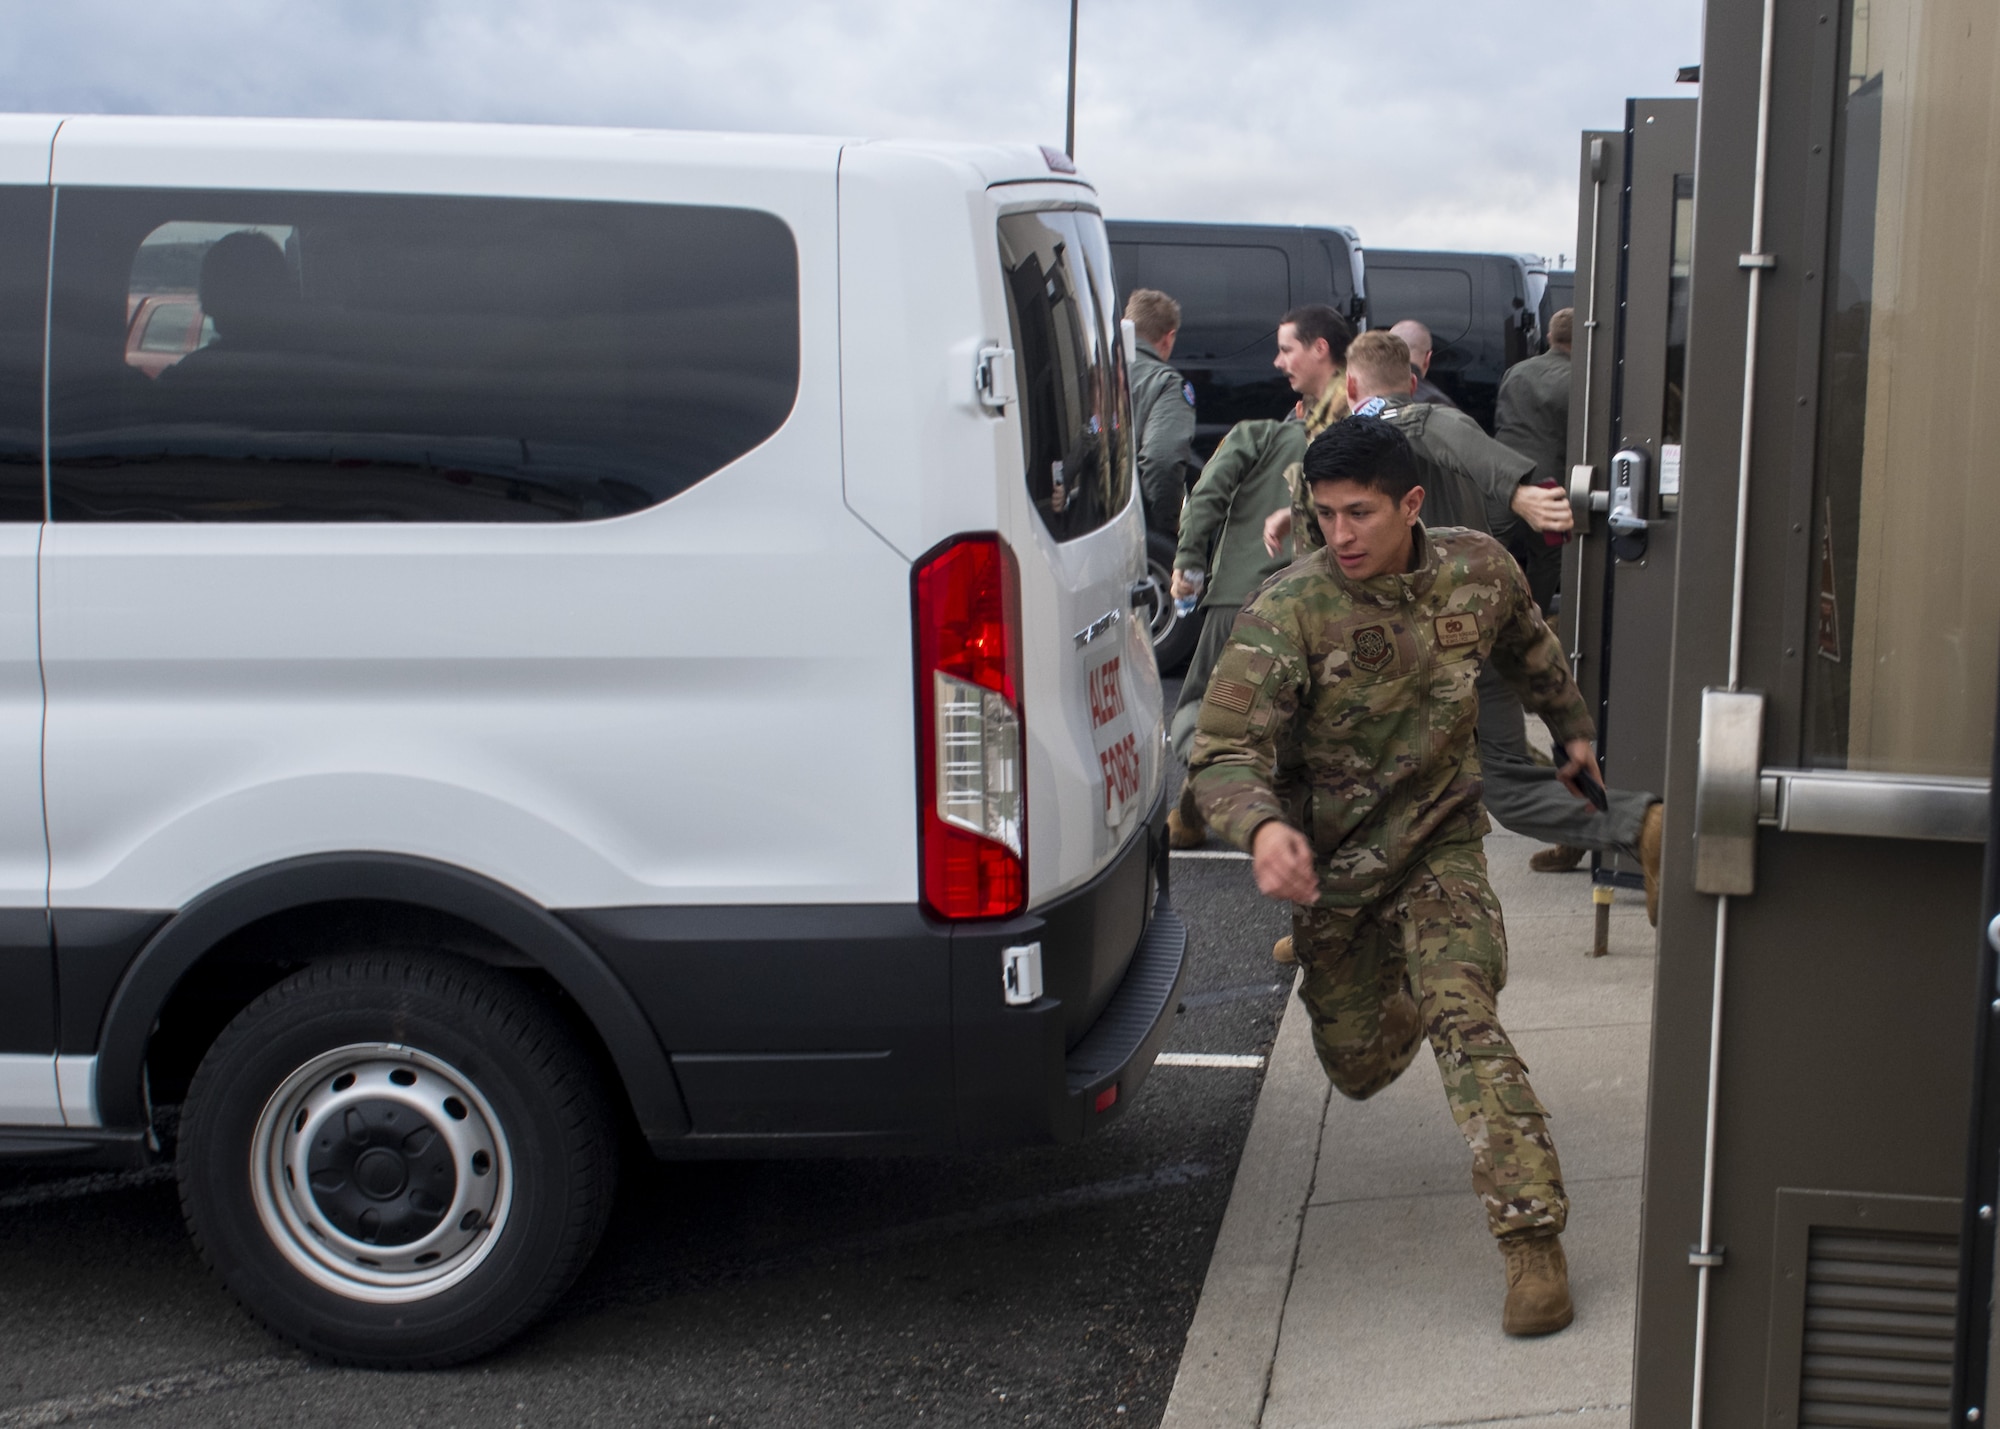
(1069, 118)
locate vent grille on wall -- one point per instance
(1878, 1331)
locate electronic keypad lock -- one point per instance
(1628, 503)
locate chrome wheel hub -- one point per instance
(380, 1173)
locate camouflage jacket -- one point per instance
(1330, 408)
(1348, 709)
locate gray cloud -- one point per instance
(1439, 123)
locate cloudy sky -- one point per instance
(1424, 123)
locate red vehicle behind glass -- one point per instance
(161, 329)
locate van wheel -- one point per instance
(396, 1160)
(1173, 637)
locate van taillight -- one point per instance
(974, 822)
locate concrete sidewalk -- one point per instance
(1353, 1282)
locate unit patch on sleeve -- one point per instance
(1187, 392)
(1372, 647)
(1455, 630)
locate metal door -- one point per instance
(1830, 717)
(1635, 226)
(1976, 1366)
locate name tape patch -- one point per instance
(1455, 630)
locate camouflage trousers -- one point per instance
(1428, 961)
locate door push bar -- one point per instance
(1734, 796)
(1887, 806)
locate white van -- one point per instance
(513, 635)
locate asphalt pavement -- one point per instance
(1052, 1286)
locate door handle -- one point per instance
(1727, 791)
(1628, 499)
(1583, 500)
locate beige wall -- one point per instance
(1927, 589)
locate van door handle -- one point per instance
(1144, 589)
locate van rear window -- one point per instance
(1076, 405)
(351, 357)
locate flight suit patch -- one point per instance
(1455, 630)
(1372, 648)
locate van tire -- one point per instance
(361, 1241)
(1174, 636)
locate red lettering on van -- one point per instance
(1107, 699)
(1120, 764)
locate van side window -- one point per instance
(1439, 298)
(347, 357)
(24, 281)
(1075, 411)
(1231, 295)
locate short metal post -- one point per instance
(1600, 897)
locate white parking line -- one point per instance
(1211, 853)
(1208, 1059)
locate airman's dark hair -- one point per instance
(1366, 451)
(1315, 321)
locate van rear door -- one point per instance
(1091, 692)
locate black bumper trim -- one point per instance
(802, 1030)
(1136, 1020)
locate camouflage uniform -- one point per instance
(1330, 408)
(1347, 708)
(1469, 479)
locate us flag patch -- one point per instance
(1231, 695)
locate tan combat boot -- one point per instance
(1185, 826)
(1538, 1300)
(1282, 951)
(1560, 859)
(1649, 859)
